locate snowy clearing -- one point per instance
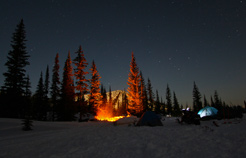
(104, 140)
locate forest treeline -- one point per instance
(75, 93)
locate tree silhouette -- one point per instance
(143, 93)
(157, 103)
(14, 83)
(40, 108)
(197, 103)
(176, 108)
(55, 86)
(67, 106)
(95, 96)
(217, 101)
(134, 100)
(81, 85)
(150, 95)
(169, 100)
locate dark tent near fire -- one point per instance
(149, 118)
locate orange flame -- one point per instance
(106, 114)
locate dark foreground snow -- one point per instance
(103, 140)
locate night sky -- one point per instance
(175, 42)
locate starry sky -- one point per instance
(175, 42)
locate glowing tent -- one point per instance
(208, 111)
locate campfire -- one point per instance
(106, 114)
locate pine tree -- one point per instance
(197, 103)
(39, 100)
(212, 101)
(67, 109)
(46, 89)
(46, 82)
(176, 108)
(163, 107)
(134, 104)
(14, 83)
(143, 93)
(150, 95)
(27, 123)
(55, 86)
(104, 95)
(81, 85)
(217, 101)
(169, 101)
(157, 103)
(95, 96)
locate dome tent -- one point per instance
(208, 111)
(149, 118)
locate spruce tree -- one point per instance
(55, 86)
(46, 89)
(176, 108)
(150, 95)
(14, 83)
(169, 100)
(95, 96)
(67, 107)
(39, 100)
(143, 93)
(134, 104)
(81, 85)
(217, 101)
(157, 103)
(197, 103)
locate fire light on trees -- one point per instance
(135, 105)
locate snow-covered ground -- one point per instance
(104, 140)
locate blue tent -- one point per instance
(208, 111)
(149, 118)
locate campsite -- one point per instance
(100, 139)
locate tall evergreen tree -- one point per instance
(143, 93)
(134, 104)
(176, 108)
(104, 95)
(217, 101)
(46, 88)
(39, 100)
(46, 82)
(14, 83)
(95, 96)
(110, 96)
(67, 109)
(197, 103)
(212, 101)
(150, 95)
(169, 100)
(81, 85)
(163, 107)
(157, 103)
(55, 86)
